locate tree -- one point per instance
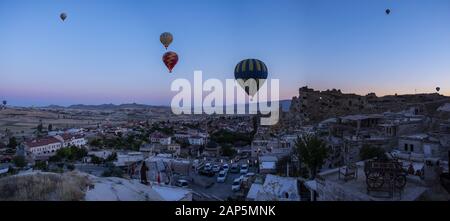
(282, 165)
(39, 127)
(113, 172)
(311, 151)
(96, 160)
(41, 165)
(112, 157)
(12, 142)
(72, 153)
(228, 150)
(70, 167)
(50, 127)
(369, 152)
(96, 143)
(19, 161)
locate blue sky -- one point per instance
(108, 51)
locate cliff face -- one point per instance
(312, 106)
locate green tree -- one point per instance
(96, 160)
(72, 153)
(113, 172)
(19, 161)
(96, 143)
(282, 163)
(312, 151)
(41, 165)
(39, 128)
(70, 167)
(12, 142)
(112, 157)
(368, 152)
(228, 150)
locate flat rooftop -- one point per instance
(411, 192)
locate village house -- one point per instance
(267, 164)
(158, 137)
(72, 140)
(421, 145)
(174, 149)
(43, 147)
(196, 140)
(128, 158)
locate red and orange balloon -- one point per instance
(170, 59)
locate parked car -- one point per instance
(222, 176)
(234, 168)
(208, 166)
(248, 177)
(236, 186)
(225, 167)
(244, 155)
(216, 168)
(244, 169)
(208, 173)
(182, 183)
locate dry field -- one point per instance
(44, 187)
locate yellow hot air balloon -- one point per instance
(166, 39)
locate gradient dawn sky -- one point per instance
(108, 51)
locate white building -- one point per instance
(72, 140)
(127, 158)
(158, 137)
(196, 140)
(420, 144)
(267, 164)
(43, 147)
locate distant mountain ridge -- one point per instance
(105, 106)
(285, 105)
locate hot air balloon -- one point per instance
(170, 59)
(438, 89)
(388, 11)
(63, 16)
(4, 102)
(166, 39)
(251, 69)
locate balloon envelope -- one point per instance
(388, 11)
(438, 89)
(170, 59)
(166, 39)
(63, 16)
(251, 69)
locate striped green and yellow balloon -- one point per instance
(166, 39)
(251, 69)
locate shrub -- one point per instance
(19, 161)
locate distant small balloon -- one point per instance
(438, 89)
(388, 11)
(63, 16)
(166, 39)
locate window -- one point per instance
(406, 147)
(411, 147)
